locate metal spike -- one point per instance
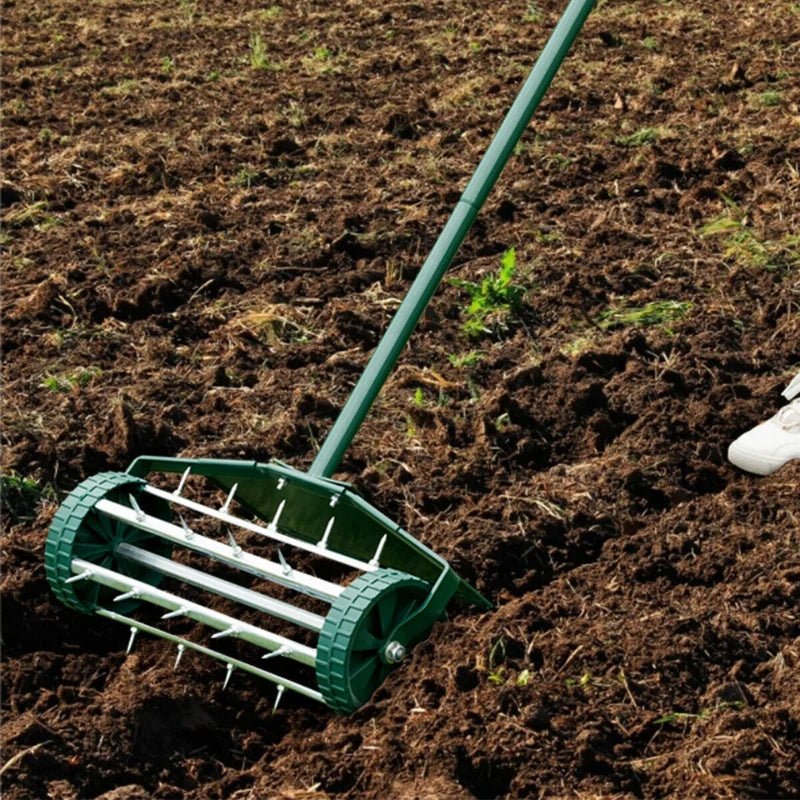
(187, 531)
(281, 690)
(87, 573)
(232, 631)
(375, 560)
(127, 595)
(140, 515)
(178, 612)
(227, 504)
(134, 631)
(228, 674)
(181, 651)
(281, 651)
(274, 523)
(237, 551)
(285, 568)
(182, 481)
(281, 484)
(323, 542)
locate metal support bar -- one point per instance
(214, 619)
(269, 531)
(418, 625)
(242, 665)
(223, 588)
(299, 581)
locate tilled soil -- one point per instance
(203, 240)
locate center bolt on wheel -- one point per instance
(394, 653)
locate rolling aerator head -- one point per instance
(113, 542)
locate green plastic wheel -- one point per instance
(352, 657)
(79, 531)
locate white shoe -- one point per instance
(773, 443)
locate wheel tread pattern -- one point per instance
(341, 623)
(64, 530)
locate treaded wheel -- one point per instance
(79, 531)
(350, 662)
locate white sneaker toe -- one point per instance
(752, 453)
(770, 445)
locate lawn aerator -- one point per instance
(112, 541)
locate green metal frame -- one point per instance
(310, 502)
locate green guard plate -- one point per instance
(350, 666)
(78, 531)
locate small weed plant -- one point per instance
(743, 247)
(246, 177)
(770, 99)
(70, 381)
(267, 14)
(658, 313)
(187, 12)
(533, 13)
(492, 301)
(20, 496)
(466, 360)
(121, 89)
(321, 60)
(295, 114)
(642, 137)
(259, 57)
(496, 672)
(678, 717)
(35, 215)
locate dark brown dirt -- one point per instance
(199, 256)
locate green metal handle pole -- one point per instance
(450, 239)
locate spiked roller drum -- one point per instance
(350, 592)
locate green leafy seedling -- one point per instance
(497, 655)
(69, 381)
(497, 676)
(322, 53)
(493, 300)
(466, 360)
(770, 98)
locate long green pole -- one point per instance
(450, 239)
